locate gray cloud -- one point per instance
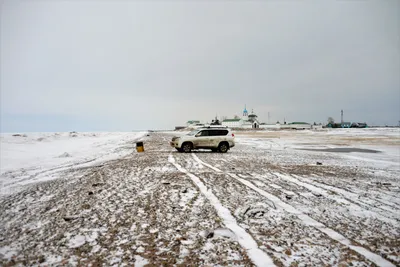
(136, 65)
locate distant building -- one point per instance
(192, 123)
(359, 125)
(297, 125)
(253, 119)
(232, 122)
(346, 124)
(247, 121)
(339, 125)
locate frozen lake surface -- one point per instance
(277, 198)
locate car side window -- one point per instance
(220, 132)
(223, 132)
(214, 133)
(203, 133)
(211, 133)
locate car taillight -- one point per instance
(233, 135)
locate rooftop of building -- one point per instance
(230, 120)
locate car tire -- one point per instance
(223, 147)
(187, 147)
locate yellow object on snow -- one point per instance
(139, 147)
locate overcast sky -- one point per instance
(132, 65)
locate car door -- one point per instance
(220, 135)
(202, 139)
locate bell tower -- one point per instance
(245, 113)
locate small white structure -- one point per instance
(317, 127)
(232, 122)
(193, 123)
(270, 126)
(247, 121)
(296, 126)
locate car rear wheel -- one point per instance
(223, 147)
(187, 147)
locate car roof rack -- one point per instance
(214, 126)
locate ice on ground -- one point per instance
(37, 157)
(140, 262)
(7, 252)
(223, 232)
(77, 241)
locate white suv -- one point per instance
(215, 138)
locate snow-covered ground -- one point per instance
(285, 198)
(36, 157)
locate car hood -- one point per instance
(175, 137)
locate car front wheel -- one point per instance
(187, 147)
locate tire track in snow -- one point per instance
(386, 205)
(348, 199)
(389, 206)
(379, 196)
(307, 220)
(259, 257)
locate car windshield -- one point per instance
(193, 132)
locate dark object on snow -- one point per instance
(65, 155)
(210, 235)
(289, 197)
(256, 213)
(166, 183)
(139, 147)
(41, 259)
(69, 218)
(20, 135)
(97, 184)
(246, 211)
(184, 190)
(358, 125)
(90, 193)
(319, 163)
(379, 183)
